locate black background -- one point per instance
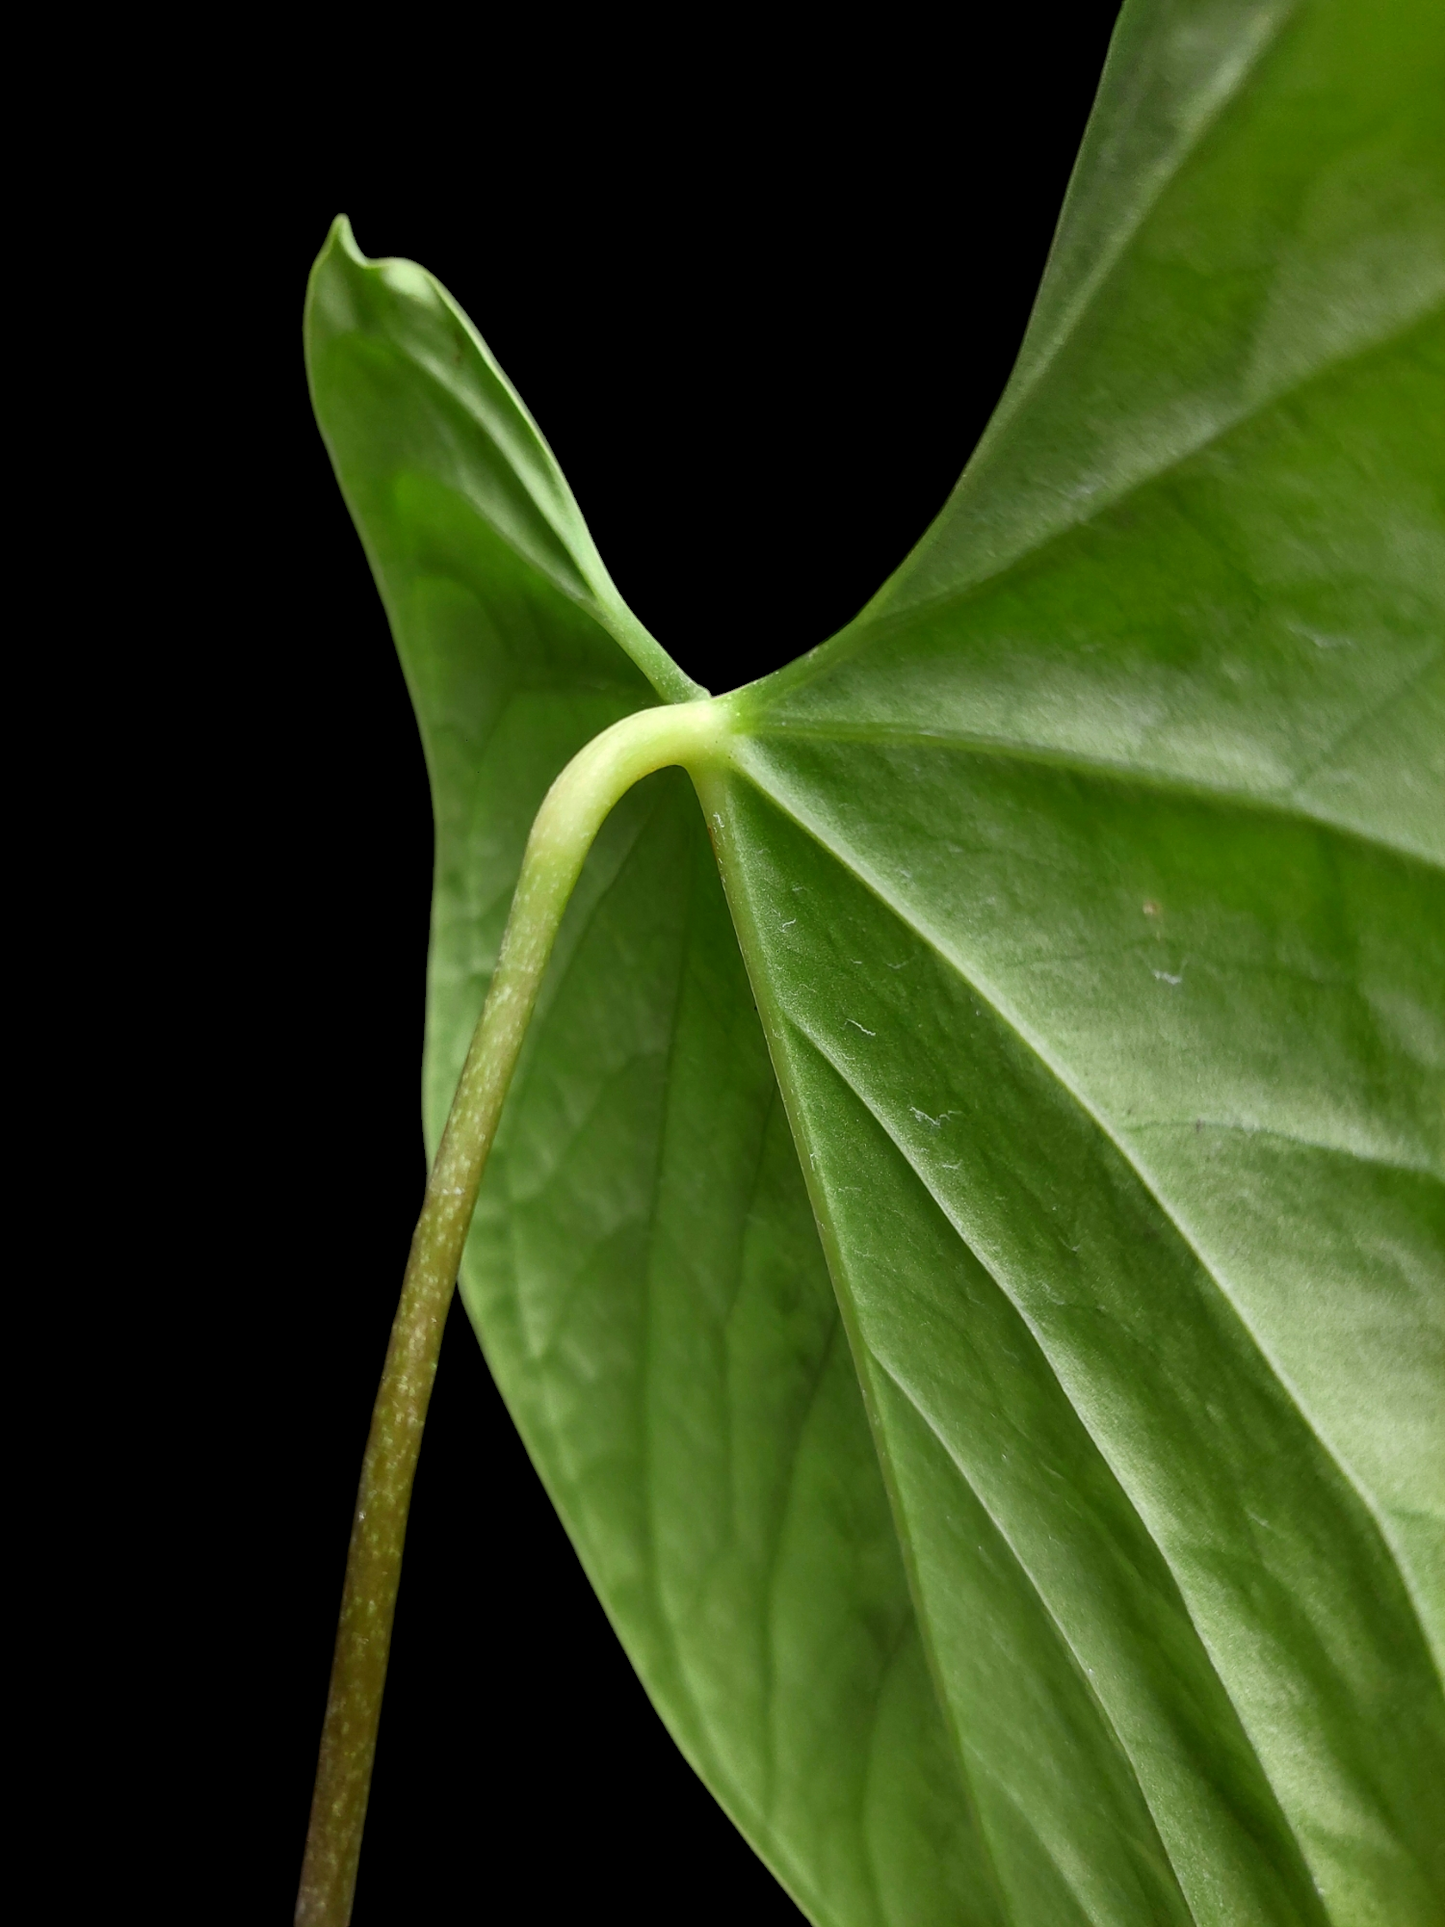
(761, 289)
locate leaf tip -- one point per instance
(343, 240)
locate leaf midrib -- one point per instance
(800, 1879)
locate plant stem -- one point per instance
(570, 816)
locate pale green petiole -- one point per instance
(694, 735)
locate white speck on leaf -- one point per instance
(1165, 977)
(863, 1027)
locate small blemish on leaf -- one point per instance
(1151, 908)
(1166, 977)
(863, 1027)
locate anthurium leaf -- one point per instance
(1089, 886)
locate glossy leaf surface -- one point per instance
(1075, 1554)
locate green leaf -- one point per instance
(1075, 1554)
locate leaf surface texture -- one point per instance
(994, 1384)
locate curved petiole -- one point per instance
(692, 734)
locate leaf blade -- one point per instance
(1125, 797)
